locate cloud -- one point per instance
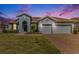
(69, 9)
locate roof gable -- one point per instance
(23, 14)
(45, 18)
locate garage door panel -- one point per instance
(47, 28)
(62, 29)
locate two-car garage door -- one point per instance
(48, 29)
(62, 29)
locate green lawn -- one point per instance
(29, 44)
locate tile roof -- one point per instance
(75, 19)
(57, 19)
(35, 19)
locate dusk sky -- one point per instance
(56, 10)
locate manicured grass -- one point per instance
(30, 44)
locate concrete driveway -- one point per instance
(66, 43)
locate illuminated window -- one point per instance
(14, 26)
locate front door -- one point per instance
(24, 26)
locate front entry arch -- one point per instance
(24, 25)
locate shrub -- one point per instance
(4, 31)
(10, 31)
(14, 31)
(75, 31)
(33, 28)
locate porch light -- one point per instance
(40, 25)
(53, 24)
(73, 25)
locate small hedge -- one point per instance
(9, 31)
(33, 33)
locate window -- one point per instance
(14, 26)
(47, 24)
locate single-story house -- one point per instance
(46, 25)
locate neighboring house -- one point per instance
(4, 23)
(46, 25)
(76, 22)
